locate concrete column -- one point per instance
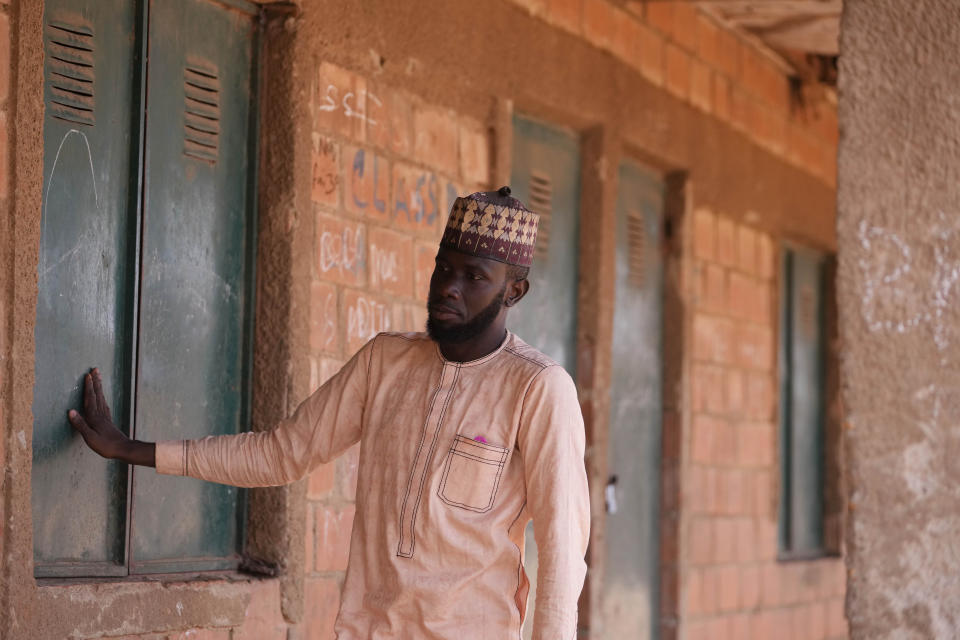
(899, 298)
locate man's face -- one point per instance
(466, 295)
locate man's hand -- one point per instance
(98, 431)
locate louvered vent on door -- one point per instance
(541, 200)
(69, 72)
(636, 249)
(201, 123)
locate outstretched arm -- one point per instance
(98, 431)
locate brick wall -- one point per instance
(6, 250)
(386, 167)
(731, 584)
(695, 58)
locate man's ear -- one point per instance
(516, 289)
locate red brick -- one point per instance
(770, 585)
(364, 316)
(321, 481)
(693, 592)
(323, 317)
(347, 465)
(740, 296)
(684, 29)
(340, 102)
(390, 259)
(724, 541)
(535, 7)
(728, 53)
(660, 16)
(707, 34)
(322, 369)
(309, 545)
(756, 446)
(766, 257)
(409, 317)
(326, 181)
(390, 120)
(341, 250)
(626, 36)
(435, 138)
(263, 619)
(701, 541)
(735, 394)
(704, 234)
(760, 401)
(676, 70)
(697, 629)
(726, 241)
(713, 339)
(721, 97)
(754, 346)
(707, 389)
(749, 587)
(747, 250)
(763, 626)
(712, 295)
(417, 198)
(711, 590)
(739, 626)
(322, 596)
(367, 183)
(706, 431)
(701, 86)
(425, 255)
(566, 14)
(697, 494)
(742, 110)
(599, 23)
(474, 154)
(332, 533)
(648, 54)
(746, 539)
(836, 620)
(729, 587)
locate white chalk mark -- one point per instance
(46, 198)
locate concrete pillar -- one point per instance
(899, 297)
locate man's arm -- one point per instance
(98, 431)
(322, 427)
(552, 442)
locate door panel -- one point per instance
(631, 579)
(86, 276)
(196, 274)
(802, 526)
(546, 178)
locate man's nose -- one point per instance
(449, 286)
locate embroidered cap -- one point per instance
(491, 224)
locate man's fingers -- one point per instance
(89, 397)
(77, 421)
(98, 392)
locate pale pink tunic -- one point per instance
(455, 458)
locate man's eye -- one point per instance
(475, 276)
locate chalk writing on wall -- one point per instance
(366, 317)
(902, 292)
(360, 105)
(342, 252)
(383, 265)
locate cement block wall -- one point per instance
(433, 88)
(900, 314)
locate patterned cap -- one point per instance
(491, 224)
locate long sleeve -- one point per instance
(323, 426)
(552, 441)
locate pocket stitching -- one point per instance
(496, 482)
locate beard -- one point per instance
(466, 331)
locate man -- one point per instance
(465, 433)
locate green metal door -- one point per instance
(546, 177)
(86, 279)
(196, 270)
(802, 404)
(631, 578)
(146, 271)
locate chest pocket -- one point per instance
(471, 474)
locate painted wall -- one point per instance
(900, 314)
(373, 114)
